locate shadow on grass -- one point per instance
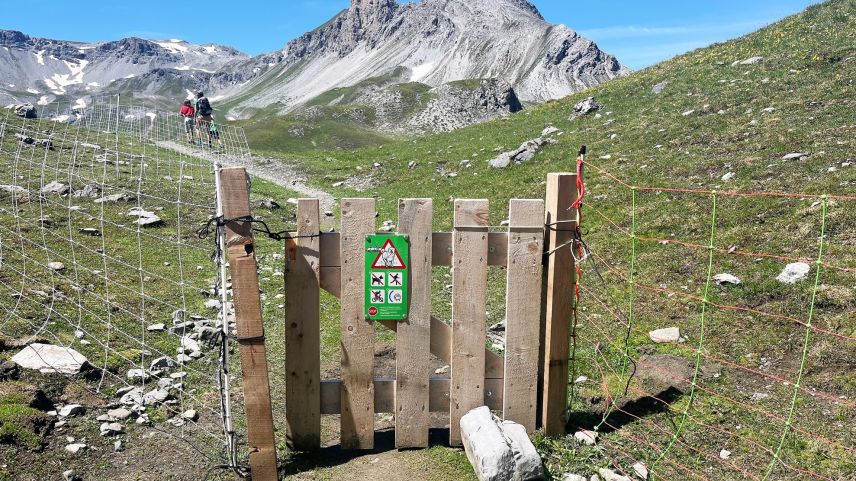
(332, 456)
(626, 412)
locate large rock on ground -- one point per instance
(499, 451)
(48, 358)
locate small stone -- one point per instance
(729, 176)
(794, 273)
(795, 156)
(588, 438)
(111, 429)
(56, 266)
(190, 415)
(580, 380)
(688, 113)
(132, 397)
(70, 475)
(183, 359)
(748, 61)
(573, 477)
(162, 363)
(119, 414)
(724, 454)
(155, 396)
(669, 334)
(138, 374)
(726, 279)
(412, 165)
(659, 87)
(759, 396)
(610, 475)
(641, 471)
(118, 446)
(71, 410)
(156, 327)
(442, 370)
(75, 448)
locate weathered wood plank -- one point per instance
(441, 333)
(469, 299)
(302, 330)
(357, 419)
(248, 317)
(561, 277)
(412, 353)
(384, 395)
(523, 312)
(441, 246)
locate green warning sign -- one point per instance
(387, 277)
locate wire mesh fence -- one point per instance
(100, 257)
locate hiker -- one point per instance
(204, 114)
(214, 133)
(189, 114)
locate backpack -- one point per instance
(203, 106)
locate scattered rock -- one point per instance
(525, 152)
(573, 477)
(585, 107)
(442, 370)
(138, 375)
(190, 415)
(55, 188)
(610, 475)
(527, 461)
(748, 61)
(91, 191)
(155, 396)
(119, 414)
(795, 156)
(162, 363)
(118, 446)
(726, 279)
(27, 111)
(56, 266)
(268, 204)
(189, 344)
(729, 176)
(794, 273)
(641, 471)
(75, 448)
(156, 327)
(550, 130)
(9, 370)
(759, 396)
(659, 87)
(115, 198)
(134, 397)
(48, 358)
(724, 454)
(412, 165)
(71, 410)
(587, 438)
(111, 429)
(688, 113)
(90, 231)
(145, 218)
(667, 335)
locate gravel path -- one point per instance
(272, 170)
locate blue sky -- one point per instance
(638, 32)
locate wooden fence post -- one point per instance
(523, 311)
(357, 418)
(412, 354)
(240, 247)
(469, 300)
(561, 280)
(303, 330)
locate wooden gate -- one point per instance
(531, 377)
(334, 262)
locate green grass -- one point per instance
(807, 76)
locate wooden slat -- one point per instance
(412, 353)
(357, 419)
(384, 395)
(248, 317)
(303, 330)
(469, 300)
(523, 312)
(561, 193)
(441, 333)
(441, 246)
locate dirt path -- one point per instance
(272, 170)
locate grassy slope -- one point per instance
(807, 75)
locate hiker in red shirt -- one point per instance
(189, 114)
